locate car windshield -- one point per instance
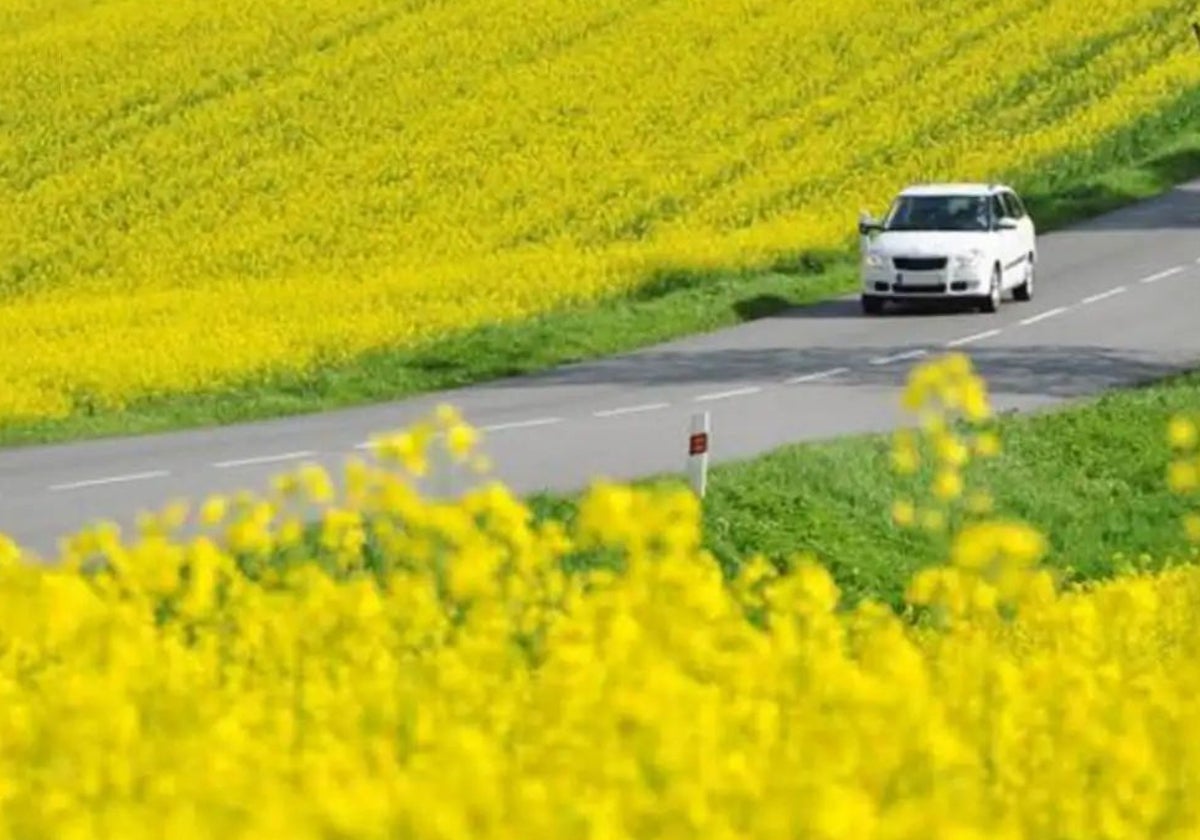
(938, 212)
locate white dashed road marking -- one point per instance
(724, 395)
(898, 357)
(522, 424)
(1049, 313)
(813, 377)
(1094, 298)
(1162, 275)
(631, 409)
(495, 427)
(115, 479)
(264, 459)
(969, 339)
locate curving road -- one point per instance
(1117, 301)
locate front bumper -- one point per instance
(953, 281)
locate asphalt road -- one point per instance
(1117, 301)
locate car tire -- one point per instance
(872, 305)
(1025, 290)
(991, 303)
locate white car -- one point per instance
(968, 243)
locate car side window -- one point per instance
(1014, 202)
(999, 211)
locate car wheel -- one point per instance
(991, 303)
(872, 305)
(1025, 290)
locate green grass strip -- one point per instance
(1091, 477)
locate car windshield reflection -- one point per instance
(939, 213)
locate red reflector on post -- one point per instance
(698, 444)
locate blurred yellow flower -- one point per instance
(1182, 476)
(1181, 433)
(904, 513)
(321, 683)
(461, 440)
(987, 444)
(213, 511)
(1191, 523)
(932, 520)
(947, 485)
(951, 451)
(317, 485)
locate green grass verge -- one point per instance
(1091, 477)
(1145, 159)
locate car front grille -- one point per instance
(919, 263)
(920, 288)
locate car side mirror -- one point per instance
(867, 225)
(1006, 224)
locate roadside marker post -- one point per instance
(698, 453)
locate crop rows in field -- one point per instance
(196, 194)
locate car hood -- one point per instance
(927, 243)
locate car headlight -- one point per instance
(969, 259)
(874, 260)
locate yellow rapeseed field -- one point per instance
(419, 670)
(199, 192)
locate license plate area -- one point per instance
(922, 282)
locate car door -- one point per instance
(1009, 241)
(1028, 234)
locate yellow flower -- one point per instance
(947, 484)
(447, 416)
(10, 552)
(461, 440)
(316, 483)
(924, 587)
(933, 520)
(1181, 433)
(1022, 543)
(359, 480)
(951, 451)
(1182, 476)
(975, 402)
(984, 597)
(987, 444)
(408, 448)
(903, 512)
(956, 364)
(286, 485)
(174, 515)
(291, 532)
(905, 460)
(1191, 524)
(214, 510)
(755, 569)
(816, 585)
